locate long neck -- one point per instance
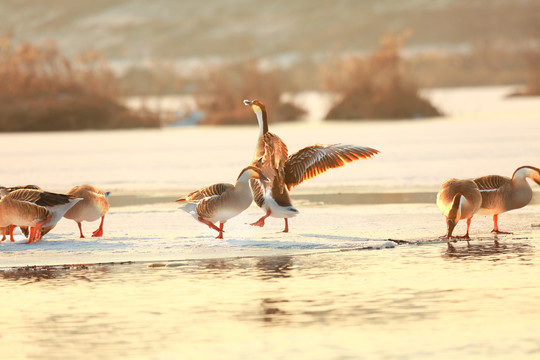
(456, 206)
(263, 121)
(263, 129)
(242, 186)
(521, 192)
(520, 175)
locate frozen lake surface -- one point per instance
(362, 273)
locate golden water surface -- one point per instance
(409, 302)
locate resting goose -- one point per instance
(501, 194)
(285, 172)
(93, 206)
(220, 202)
(458, 200)
(16, 209)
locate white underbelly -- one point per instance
(279, 211)
(89, 213)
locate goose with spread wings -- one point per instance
(286, 172)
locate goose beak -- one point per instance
(248, 103)
(451, 225)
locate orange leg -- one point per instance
(220, 236)
(80, 230)
(11, 227)
(210, 225)
(3, 233)
(496, 226)
(466, 236)
(35, 233)
(260, 222)
(286, 225)
(31, 235)
(99, 231)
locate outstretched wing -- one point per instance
(314, 160)
(212, 190)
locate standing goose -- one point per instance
(93, 206)
(501, 194)
(57, 204)
(15, 209)
(220, 202)
(285, 172)
(458, 200)
(6, 190)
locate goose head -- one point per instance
(251, 172)
(260, 111)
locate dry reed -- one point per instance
(40, 89)
(222, 91)
(375, 87)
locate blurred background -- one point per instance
(107, 64)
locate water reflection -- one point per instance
(275, 267)
(272, 311)
(161, 310)
(495, 251)
(31, 274)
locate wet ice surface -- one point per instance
(162, 232)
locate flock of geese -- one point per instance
(268, 179)
(37, 212)
(460, 199)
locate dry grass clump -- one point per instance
(40, 89)
(222, 91)
(375, 87)
(532, 60)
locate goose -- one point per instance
(286, 172)
(222, 201)
(6, 190)
(15, 209)
(57, 204)
(501, 194)
(458, 200)
(94, 205)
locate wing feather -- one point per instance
(208, 191)
(41, 198)
(275, 151)
(491, 182)
(258, 191)
(314, 160)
